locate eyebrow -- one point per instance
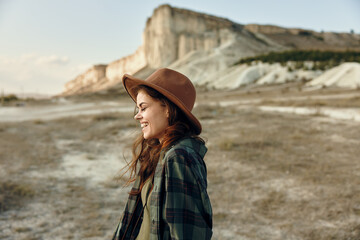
(142, 104)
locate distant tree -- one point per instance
(351, 31)
(299, 65)
(326, 58)
(305, 33)
(10, 97)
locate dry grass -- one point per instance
(284, 177)
(271, 175)
(26, 146)
(205, 112)
(352, 102)
(33, 147)
(14, 194)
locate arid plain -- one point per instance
(283, 163)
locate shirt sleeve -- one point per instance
(185, 199)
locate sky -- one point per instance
(46, 43)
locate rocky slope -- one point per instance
(203, 47)
(346, 75)
(307, 39)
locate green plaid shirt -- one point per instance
(179, 205)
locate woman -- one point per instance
(169, 198)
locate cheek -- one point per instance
(162, 121)
(165, 123)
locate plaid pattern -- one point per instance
(179, 205)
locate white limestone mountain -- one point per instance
(345, 75)
(204, 48)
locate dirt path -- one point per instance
(272, 175)
(62, 110)
(74, 194)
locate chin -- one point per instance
(146, 136)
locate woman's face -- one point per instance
(152, 115)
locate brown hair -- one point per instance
(147, 151)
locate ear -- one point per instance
(167, 113)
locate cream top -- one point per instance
(144, 233)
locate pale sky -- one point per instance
(46, 43)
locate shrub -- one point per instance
(10, 98)
(106, 117)
(228, 145)
(13, 194)
(330, 58)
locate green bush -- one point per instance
(10, 97)
(323, 59)
(13, 194)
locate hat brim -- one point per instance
(130, 82)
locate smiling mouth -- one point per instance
(143, 125)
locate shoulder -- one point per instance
(185, 159)
(186, 150)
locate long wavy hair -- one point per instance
(146, 152)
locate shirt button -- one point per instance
(153, 221)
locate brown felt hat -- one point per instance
(173, 85)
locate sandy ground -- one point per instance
(62, 110)
(274, 172)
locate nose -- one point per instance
(137, 116)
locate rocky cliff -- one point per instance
(180, 31)
(87, 81)
(200, 46)
(172, 34)
(307, 39)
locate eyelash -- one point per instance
(141, 110)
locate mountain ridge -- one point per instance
(200, 45)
